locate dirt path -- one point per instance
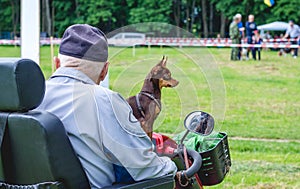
(265, 139)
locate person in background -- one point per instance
(250, 28)
(241, 29)
(234, 34)
(268, 35)
(293, 31)
(258, 41)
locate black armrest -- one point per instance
(164, 182)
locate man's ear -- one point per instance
(56, 61)
(103, 72)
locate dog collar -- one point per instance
(139, 106)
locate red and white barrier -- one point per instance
(180, 42)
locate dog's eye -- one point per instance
(167, 77)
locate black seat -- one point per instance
(35, 146)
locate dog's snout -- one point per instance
(174, 82)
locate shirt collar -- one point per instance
(73, 74)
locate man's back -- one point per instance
(294, 31)
(250, 28)
(233, 30)
(102, 129)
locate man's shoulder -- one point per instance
(121, 110)
(233, 24)
(104, 89)
(108, 94)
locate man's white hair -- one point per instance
(238, 15)
(91, 68)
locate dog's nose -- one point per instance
(175, 83)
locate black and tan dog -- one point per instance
(146, 105)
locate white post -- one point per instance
(30, 30)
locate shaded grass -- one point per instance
(263, 165)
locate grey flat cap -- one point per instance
(85, 42)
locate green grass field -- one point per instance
(249, 99)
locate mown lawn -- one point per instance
(255, 99)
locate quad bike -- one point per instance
(36, 152)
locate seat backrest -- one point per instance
(35, 146)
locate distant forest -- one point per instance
(203, 18)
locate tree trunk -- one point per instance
(223, 24)
(204, 18)
(211, 19)
(187, 12)
(177, 11)
(48, 17)
(15, 15)
(193, 16)
(43, 19)
(76, 7)
(53, 19)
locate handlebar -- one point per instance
(196, 163)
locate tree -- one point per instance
(94, 12)
(46, 17)
(177, 15)
(285, 10)
(211, 18)
(204, 17)
(142, 11)
(10, 16)
(64, 15)
(110, 15)
(149, 11)
(5, 18)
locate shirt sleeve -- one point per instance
(126, 144)
(255, 28)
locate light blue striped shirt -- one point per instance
(294, 31)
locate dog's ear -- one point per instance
(163, 62)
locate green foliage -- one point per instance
(5, 18)
(62, 21)
(9, 10)
(149, 11)
(285, 10)
(111, 15)
(92, 12)
(142, 11)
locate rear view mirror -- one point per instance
(199, 122)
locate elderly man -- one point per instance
(293, 31)
(99, 122)
(235, 37)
